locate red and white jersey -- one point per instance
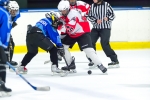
(74, 25)
(81, 7)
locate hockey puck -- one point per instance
(89, 72)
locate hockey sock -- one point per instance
(3, 73)
(3, 56)
(90, 52)
(68, 56)
(53, 56)
(88, 58)
(27, 58)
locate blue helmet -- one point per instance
(3, 2)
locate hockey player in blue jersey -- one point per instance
(44, 35)
(13, 8)
(5, 28)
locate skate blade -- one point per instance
(21, 72)
(113, 66)
(55, 73)
(92, 67)
(72, 71)
(5, 94)
(64, 73)
(106, 73)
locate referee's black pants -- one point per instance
(104, 35)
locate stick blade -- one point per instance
(46, 88)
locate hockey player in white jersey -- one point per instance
(83, 8)
(76, 29)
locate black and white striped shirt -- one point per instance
(99, 11)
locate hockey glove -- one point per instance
(56, 23)
(14, 24)
(61, 51)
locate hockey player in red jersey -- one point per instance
(80, 6)
(83, 8)
(76, 29)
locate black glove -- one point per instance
(61, 51)
(56, 23)
(14, 24)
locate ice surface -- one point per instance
(129, 82)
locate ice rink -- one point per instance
(129, 82)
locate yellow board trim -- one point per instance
(114, 45)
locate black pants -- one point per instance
(35, 40)
(104, 35)
(83, 41)
(3, 60)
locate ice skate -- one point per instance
(91, 65)
(22, 69)
(102, 68)
(4, 91)
(113, 65)
(55, 70)
(69, 69)
(14, 64)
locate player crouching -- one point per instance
(44, 35)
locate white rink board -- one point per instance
(128, 26)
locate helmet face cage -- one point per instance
(13, 8)
(64, 7)
(53, 16)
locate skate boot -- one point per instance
(55, 69)
(113, 65)
(13, 63)
(22, 69)
(4, 91)
(91, 65)
(69, 69)
(102, 68)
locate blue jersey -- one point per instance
(5, 27)
(49, 31)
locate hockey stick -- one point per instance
(46, 88)
(65, 61)
(47, 61)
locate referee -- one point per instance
(101, 16)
